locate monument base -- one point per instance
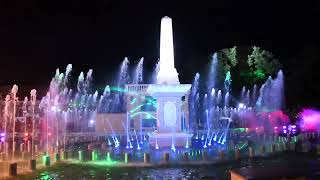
(165, 139)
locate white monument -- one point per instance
(169, 92)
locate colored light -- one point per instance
(91, 121)
(310, 119)
(241, 105)
(2, 134)
(54, 108)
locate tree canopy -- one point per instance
(247, 67)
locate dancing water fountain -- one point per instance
(135, 118)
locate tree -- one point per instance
(246, 69)
(228, 58)
(262, 63)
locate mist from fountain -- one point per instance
(271, 94)
(193, 102)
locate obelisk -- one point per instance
(167, 73)
(168, 92)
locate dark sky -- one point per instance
(36, 37)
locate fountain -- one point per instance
(162, 119)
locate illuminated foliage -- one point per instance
(246, 65)
(228, 58)
(262, 62)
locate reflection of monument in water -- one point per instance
(169, 94)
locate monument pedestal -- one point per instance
(169, 116)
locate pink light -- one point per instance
(310, 119)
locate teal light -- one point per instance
(136, 108)
(146, 113)
(133, 101)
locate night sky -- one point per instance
(36, 37)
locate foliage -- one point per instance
(262, 62)
(247, 69)
(228, 58)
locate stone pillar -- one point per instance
(127, 157)
(165, 157)
(13, 169)
(23, 155)
(318, 149)
(94, 155)
(57, 157)
(262, 149)
(47, 160)
(146, 158)
(221, 155)
(237, 154)
(108, 156)
(204, 154)
(272, 148)
(29, 146)
(36, 150)
(251, 152)
(69, 154)
(33, 164)
(21, 147)
(80, 155)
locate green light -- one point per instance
(242, 146)
(259, 74)
(133, 101)
(94, 156)
(136, 108)
(45, 176)
(109, 157)
(80, 155)
(228, 76)
(146, 113)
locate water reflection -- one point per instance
(218, 171)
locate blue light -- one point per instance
(173, 148)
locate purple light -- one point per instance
(310, 119)
(2, 135)
(284, 127)
(2, 139)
